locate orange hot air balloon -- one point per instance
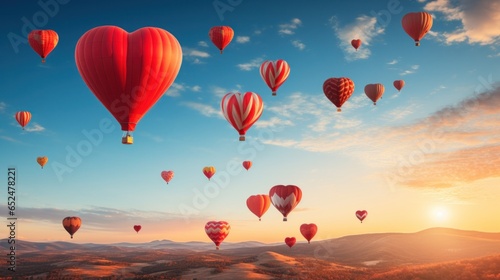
(308, 231)
(247, 164)
(137, 228)
(42, 161)
(338, 90)
(23, 118)
(209, 171)
(221, 36)
(71, 224)
(285, 198)
(274, 73)
(416, 25)
(374, 92)
(217, 231)
(258, 204)
(290, 241)
(242, 110)
(356, 43)
(128, 72)
(43, 42)
(167, 175)
(399, 84)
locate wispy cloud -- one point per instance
(34, 128)
(194, 55)
(298, 44)
(392, 62)
(203, 44)
(7, 138)
(2, 107)
(412, 70)
(364, 28)
(242, 39)
(248, 66)
(273, 122)
(176, 89)
(289, 28)
(475, 17)
(204, 109)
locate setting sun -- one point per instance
(440, 214)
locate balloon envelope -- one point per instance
(42, 161)
(71, 224)
(290, 241)
(285, 198)
(247, 164)
(23, 118)
(242, 110)
(338, 90)
(217, 231)
(258, 204)
(138, 68)
(137, 228)
(209, 171)
(361, 214)
(374, 92)
(308, 231)
(274, 73)
(43, 42)
(416, 25)
(399, 84)
(221, 36)
(356, 43)
(167, 175)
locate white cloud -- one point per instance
(2, 107)
(176, 89)
(273, 122)
(204, 109)
(34, 128)
(364, 28)
(203, 44)
(242, 39)
(392, 62)
(298, 44)
(194, 55)
(289, 28)
(478, 20)
(248, 66)
(196, 88)
(413, 69)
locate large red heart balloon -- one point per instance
(290, 241)
(338, 90)
(128, 72)
(308, 231)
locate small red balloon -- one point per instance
(290, 241)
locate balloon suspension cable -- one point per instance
(242, 137)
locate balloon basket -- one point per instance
(339, 110)
(417, 43)
(127, 140)
(242, 137)
(274, 93)
(285, 219)
(217, 248)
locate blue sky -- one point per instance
(341, 161)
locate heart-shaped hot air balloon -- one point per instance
(274, 73)
(285, 198)
(258, 204)
(137, 228)
(167, 175)
(356, 43)
(217, 231)
(42, 161)
(221, 36)
(242, 110)
(290, 241)
(399, 84)
(374, 92)
(43, 42)
(71, 224)
(247, 164)
(209, 171)
(338, 90)
(23, 118)
(128, 72)
(416, 25)
(308, 231)
(361, 214)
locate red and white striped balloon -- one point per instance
(217, 231)
(23, 118)
(242, 110)
(274, 73)
(285, 198)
